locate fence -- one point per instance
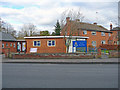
(91, 49)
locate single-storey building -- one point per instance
(56, 44)
(7, 43)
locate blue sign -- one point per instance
(80, 44)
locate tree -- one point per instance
(7, 28)
(70, 24)
(28, 29)
(44, 33)
(57, 28)
(53, 34)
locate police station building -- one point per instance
(56, 44)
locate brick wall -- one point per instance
(10, 47)
(98, 37)
(43, 48)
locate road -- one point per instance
(28, 75)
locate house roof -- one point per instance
(115, 29)
(34, 37)
(6, 37)
(88, 26)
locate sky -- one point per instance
(45, 13)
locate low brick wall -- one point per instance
(114, 54)
(52, 56)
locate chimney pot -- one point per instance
(110, 26)
(67, 19)
(95, 23)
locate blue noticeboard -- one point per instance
(80, 44)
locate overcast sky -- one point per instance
(45, 13)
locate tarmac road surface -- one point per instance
(28, 75)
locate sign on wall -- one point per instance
(80, 46)
(79, 43)
(33, 50)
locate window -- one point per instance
(36, 43)
(11, 44)
(103, 42)
(93, 33)
(51, 43)
(14, 45)
(93, 43)
(102, 33)
(2, 45)
(84, 32)
(109, 34)
(6, 45)
(117, 42)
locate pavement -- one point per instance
(64, 61)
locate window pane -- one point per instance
(2, 45)
(93, 43)
(49, 44)
(38, 43)
(53, 43)
(14, 45)
(6, 44)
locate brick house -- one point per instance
(7, 43)
(114, 38)
(97, 34)
(51, 44)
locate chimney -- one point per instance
(67, 19)
(95, 23)
(110, 26)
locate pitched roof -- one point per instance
(115, 29)
(88, 26)
(6, 37)
(55, 37)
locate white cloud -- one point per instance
(44, 13)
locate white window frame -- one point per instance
(10, 44)
(6, 44)
(94, 43)
(102, 33)
(93, 32)
(117, 42)
(109, 34)
(37, 42)
(2, 45)
(50, 41)
(14, 45)
(103, 42)
(84, 32)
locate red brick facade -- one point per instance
(78, 28)
(43, 48)
(9, 47)
(114, 39)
